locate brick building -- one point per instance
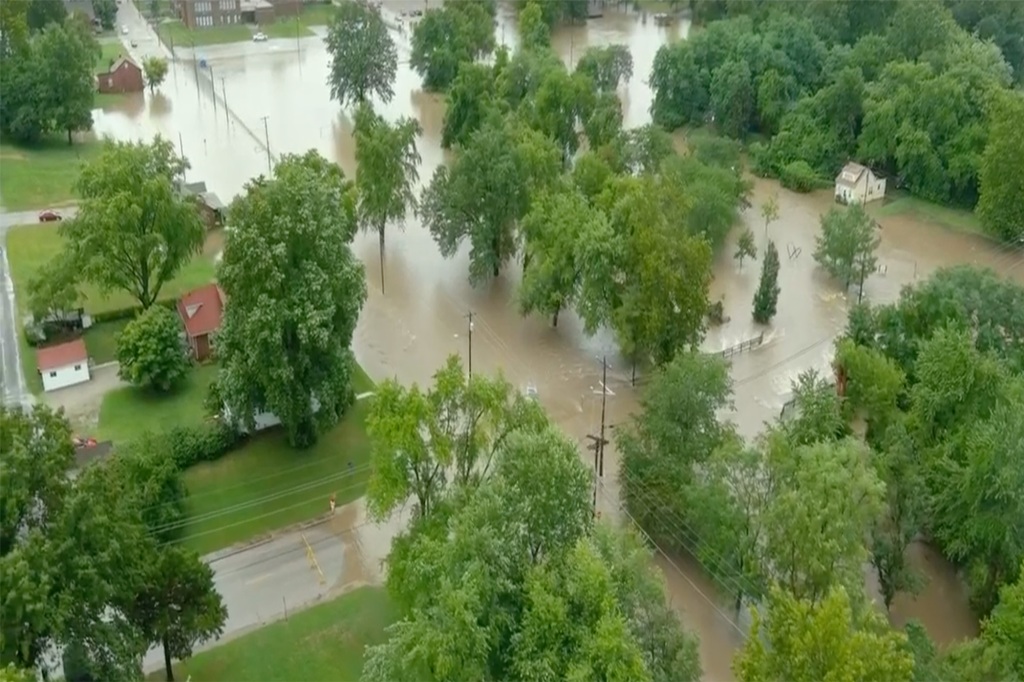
(208, 13)
(124, 75)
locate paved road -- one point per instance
(15, 391)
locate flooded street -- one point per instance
(223, 112)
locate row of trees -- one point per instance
(788, 521)
(90, 563)
(905, 89)
(504, 573)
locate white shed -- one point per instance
(65, 364)
(858, 184)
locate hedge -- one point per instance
(201, 443)
(131, 311)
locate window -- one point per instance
(53, 374)
(78, 367)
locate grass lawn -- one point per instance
(110, 51)
(324, 643)
(43, 175)
(175, 34)
(311, 15)
(280, 485)
(101, 340)
(927, 212)
(129, 412)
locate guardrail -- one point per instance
(750, 343)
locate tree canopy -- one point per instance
(294, 292)
(150, 352)
(364, 58)
(450, 36)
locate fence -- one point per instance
(750, 343)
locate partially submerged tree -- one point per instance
(766, 298)
(155, 71)
(847, 243)
(363, 55)
(449, 36)
(745, 247)
(294, 292)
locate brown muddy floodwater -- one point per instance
(217, 106)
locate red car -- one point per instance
(50, 216)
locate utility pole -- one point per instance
(213, 90)
(224, 94)
(181, 150)
(266, 139)
(470, 316)
(599, 441)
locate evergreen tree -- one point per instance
(767, 297)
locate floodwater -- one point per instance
(228, 105)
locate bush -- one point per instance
(799, 177)
(129, 312)
(202, 443)
(150, 350)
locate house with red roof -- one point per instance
(201, 311)
(65, 364)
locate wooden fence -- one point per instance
(752, 342)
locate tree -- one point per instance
(766, 299)
(805, 641)
(745, 247)
(533, 27)
(847, 243)
(1001, 176)
(447, 37)
(155, 70)
(150, 351)
(146, 474)
(67, 57)
(606, 66)
(485, 192)
(732, 97)
(179, 606)
(364, 59)
(72, 548)
(106, 12)
(388, 165)
(770, 212)
(53, 291)
(554, 231)
(1003, 631)
(10, 673)
(295, 291)
(425, 441)
(470, 100)
(42, 13)
(133, 230)
(676, 431)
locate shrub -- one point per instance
(201, 443)
(799, 177)
(129, 312)
(150, 350)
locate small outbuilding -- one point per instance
(858, 184)
(201, 311)
(124, 75)
(63, 365)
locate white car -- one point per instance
(124, 30)
(259, 37)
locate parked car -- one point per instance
(50, 216)
(134, 44)
(124, 30)
(259, 37)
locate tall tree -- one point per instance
(106, 12)
(1001, 206)
(745, 247)
(805, 641)
(485, 192)
(155, 71)
(847, 243)
(150, 351)
(425, 441)
(732, 97)
(364, 59)
(42, 13)
(470, 100)
(67, 56)
(388, 164)
(133, 230)
(554, 231)
(770, 212)
(449, 36)
(294, 292)
(607, 66)
(766, 298)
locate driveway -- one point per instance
(82, 402)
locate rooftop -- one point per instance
(61, 355)
(201, 310)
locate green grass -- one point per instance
(101, 340)
(951, 218)
(324, 643)
(281, 486)
(29, 247)
(110, 51)
(128, 412)
(176, 34)
(311, 15)
(43, 175)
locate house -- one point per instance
(212, 209)
(857, 183)
(201, 311)
(124, 75)
(208, 13)
(63, 365)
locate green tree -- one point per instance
(449, 36)
(607, 66)
(553, 231)
(847, 244)
(13, 30)
(388, 164)
(67, 56)
(732, 97)
(470, 100)
(1003, 631)
(106, 12)
(42, 13)
(425, 441)
(806, 641)
(603, 124)
(179, 606)
(364, 58)
(485, 192)
(146, 474)
(533, 26)
(150, 352)
(558, 106)
(745, 247)
(155, 71)
(766, 298)
(72, 563)
(1001, 206)
(770, 212)
(284, 344)
(676, 431)
(133, 231)
(10, 673)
